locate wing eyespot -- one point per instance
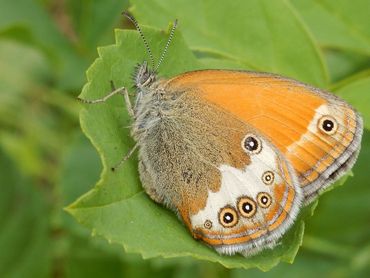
(247, 207)
(268, 177)
(251, 144)
(264, 199)
(208, 224)
(228, 217)
(327, 125)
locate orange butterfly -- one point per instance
(236, 154)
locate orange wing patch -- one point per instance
(287, 112)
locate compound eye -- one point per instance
(251, 144)
(247, 207)
(264, 199)
(228, 217)
(268, 177)
(327, 125)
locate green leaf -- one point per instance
(24, 231)
(342, 64)
(92, 20)
(341, 28)
(338, 24)
(259, 34)
(80, 166)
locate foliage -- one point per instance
(46, 162)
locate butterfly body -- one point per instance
(197, 133)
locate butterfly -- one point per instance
(237, 154)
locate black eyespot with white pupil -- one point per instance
(251, 144)
(264, 199)
(246, 207)
(268, 177)
(228, 217)
(327, 125)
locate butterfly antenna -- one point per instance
(133, 20)
(167, 45)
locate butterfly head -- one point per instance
(144, 76)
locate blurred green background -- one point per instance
(46, 162)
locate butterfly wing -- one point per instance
(318, 133)
(231, 186)
(254, 206)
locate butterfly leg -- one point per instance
(126, 96)
(122, 91)
(125, 157)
